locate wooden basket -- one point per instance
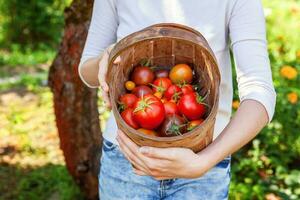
(167, 45)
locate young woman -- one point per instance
(132, 172)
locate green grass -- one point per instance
(16, 56)
(45, 182)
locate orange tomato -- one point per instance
(181, 73)
(148, 132)
(193, 124)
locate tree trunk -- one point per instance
(75, 105)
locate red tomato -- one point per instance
(193, 124)
(171, 108)
(149, 112)
(191, 105)
(142, 91)
(127, 116)
(142, 75)
(173, 92)
(127, 100)
(161, 84)
(187, 88)
(163, 100)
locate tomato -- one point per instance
(127, 116)
(171, 108)
(173, 125)
(181, 73)
(173, 92)
(163, 100)
(127, 100)
(158, 94)
(149, 112)
(142, 75)
(148, 132)
(193, 124)
(162, 73)
(161, 84)
(142, 91)
(187, 88)
(191, 105)
(129, 85)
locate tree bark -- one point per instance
(75, 105)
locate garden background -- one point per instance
(32, 165)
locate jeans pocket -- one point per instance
(224, 163)
(108, 146)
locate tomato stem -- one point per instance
(145, 62)
(201, 99)
(159, 88)
(121, 106)
(174, 129)
(143, 104)
(176, 96)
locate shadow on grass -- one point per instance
(49, 182)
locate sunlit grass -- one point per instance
(31, 163)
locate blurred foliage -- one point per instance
(31, 23)
(268, 167)
(25, 57)
(31, 163)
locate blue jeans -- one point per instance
(118, 182)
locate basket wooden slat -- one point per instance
(167, 45)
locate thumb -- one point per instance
(103, 71)
(103, 65)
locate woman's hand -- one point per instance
(102, 73)
(162, 163)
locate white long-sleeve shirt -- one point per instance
(235, 24)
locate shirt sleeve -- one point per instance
(249, 45)
(102, 32)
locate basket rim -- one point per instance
(208, 51)
(113, 55)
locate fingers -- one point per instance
(132, 157)
(103, 64)
(103, 70)
(159, 153)
(148, 166)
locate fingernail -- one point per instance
(117, 60)
(144, 150)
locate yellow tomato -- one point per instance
(147, 131)
(129, 85)
(158, 94)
